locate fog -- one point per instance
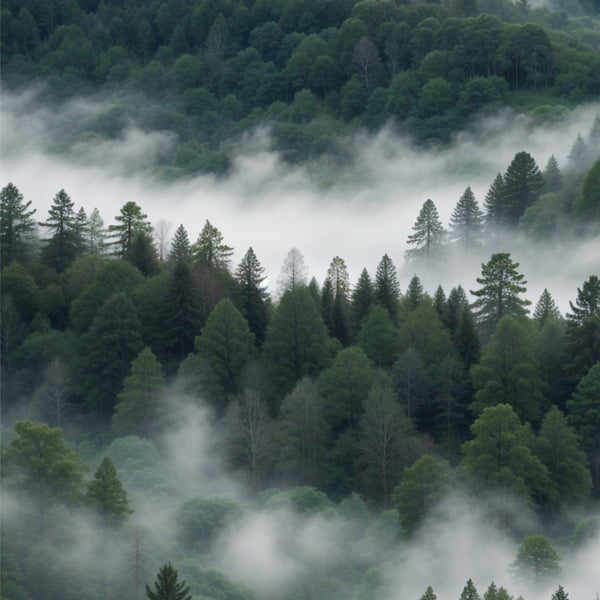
(358, 212)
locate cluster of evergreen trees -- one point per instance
(212, 70)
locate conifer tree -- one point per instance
(429, 235)
(552, 176)
(96, 234)
(523, 183)
(500, 293)
(131, 220)
(293, 271)
(429, 594)
(493, 203)
(577, 154)
(107, 494)
(167, 585)
(545, 308)
(560, 594)
(251, 295)
(209, 249)
(470, 592)
(466, 222)
(387, 288)
(587, 303)
(439, 302)
(362, 298)
(181, 249)
(414, 294)
(16, 225)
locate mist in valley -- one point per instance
(358, 211)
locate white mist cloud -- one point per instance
(363, 212)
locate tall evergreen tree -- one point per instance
(210, 251)
(184, 317)
(96, 233)
(251, 296)
(107, 494)
(545, 308)
(560, 594)
(167, 585)
(16, 225)
(523, 183)
(387, 288)
(293, 271)
(429, 235)
(493, 203)
(553, 179)
(466, 222)
(181, 249)
(500, 293)
(414, 294)
(362, 298)
(131, 220)
(469, 592)
(66, 241)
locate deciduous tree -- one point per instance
(536, 559)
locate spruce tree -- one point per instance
(552, 176)
(251, 296)
(131, 220)
(209, 249)
(493, 203)
(414, 294)
(107, 494)
(429, 594)
(387, 288)
(545, 308)
(523, 183)
(560, 594)
(181, 249)
(470, 592)
(362, 298)
(167, 585)
(466, 222)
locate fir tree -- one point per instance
(429, 594)
(181, 249)
(493, 202)
(16, 225)
(387, 288)
(362, 298)
(131, 220)
(552, 176)
(107, 494)
(560, 593)
(523, 183)
(469, 592)
(210, 251)
(545, 308)
(414, 294)
(167, 585)
(466, 222)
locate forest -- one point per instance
(177, 421)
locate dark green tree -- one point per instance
(500, 293)
(500, 457)
(466, 221)
(523, 183)
(587, 203)
(545, 308)
(560, 594)
(66, 241)
(508, 372)
(377, 337)
(112, 342)
(181, 249)
(429, 235)
(429, 594)
(414, 294)
(183, 313)
(362, 299)
(587, 303)
(387, 288)
(16, 225)
(422, 486)
(469, 592)
(131, 221)
(251, 296)
(227, 344)
(412, 382)
(137, 411)
(493, 203)
(584, 414)
(558, 447)
(107, 494)
(167, 585)
(295, 344)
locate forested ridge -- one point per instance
(363, 406)
(208, 71)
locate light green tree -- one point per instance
(536, 559)
(469, 592)
(209, 249)
(138, 405)
(377, 337)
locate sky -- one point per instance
(364, 211)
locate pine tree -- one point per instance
(131, 221)
(466, 222)
(500, 294)
(414, 294)
(167, 585)
(545, 308)
(552, 176)
(107, 494)
(560, 594)
(16, 225)
(66, 241)
(362, 298)
(578, 153)
(180, 246)
(429, 235)
(251, 296)
(387, 288)
(429, 594)
(209, 249)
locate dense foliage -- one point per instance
(207, 71)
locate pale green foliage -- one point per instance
(536, 559)
(107, 494)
